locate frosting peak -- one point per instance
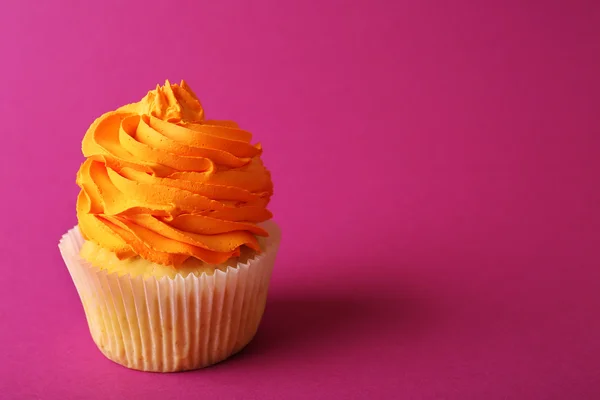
(173, 103)
(163, 183)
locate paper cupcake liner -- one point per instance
(171, 324)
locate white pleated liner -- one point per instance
(172, 324)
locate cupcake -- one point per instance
(174, 246)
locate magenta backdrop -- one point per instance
(436, 171)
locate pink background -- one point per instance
(436, 171)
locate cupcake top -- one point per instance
(163, 183)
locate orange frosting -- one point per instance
(163, 183)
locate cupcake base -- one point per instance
(172, 324)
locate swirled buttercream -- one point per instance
(163, 183)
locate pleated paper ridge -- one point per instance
(171, 324)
